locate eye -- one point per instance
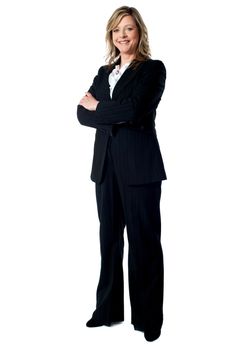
(129, 29)
(115, 30)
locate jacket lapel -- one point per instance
(126, 77)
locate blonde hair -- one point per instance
(142, 51)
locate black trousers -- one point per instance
(137, 208)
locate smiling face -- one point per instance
(126, 36)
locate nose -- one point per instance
(123, 34)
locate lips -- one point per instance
(123, 42)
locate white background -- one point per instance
(49, 249)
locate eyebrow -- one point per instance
(126, 25)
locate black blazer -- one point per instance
(128, 118)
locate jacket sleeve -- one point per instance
(85, 117)
(145, 99)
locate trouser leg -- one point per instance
(142, 211)
(110, 303)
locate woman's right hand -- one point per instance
(89, 102)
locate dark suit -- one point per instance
(128, 170)
(133, 105)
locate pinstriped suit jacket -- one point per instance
(129, 118)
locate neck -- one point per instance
(126, 59)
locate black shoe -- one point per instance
(152, 335)
(94, 323)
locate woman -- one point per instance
(127, 169)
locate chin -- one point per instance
(127, 51)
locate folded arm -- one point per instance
(145, 99)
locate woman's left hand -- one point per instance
(89, 102)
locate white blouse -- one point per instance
(115, 75)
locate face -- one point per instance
(125, 36)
